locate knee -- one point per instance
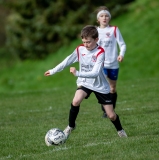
(112, 89)
(112, 116)
(75, 102)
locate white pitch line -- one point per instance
(32, 110)
(56, 150)
(50, 108)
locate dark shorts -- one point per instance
(111, 73)
(102, 98)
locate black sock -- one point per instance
(73, 115)
(114, 98)
(117, 124)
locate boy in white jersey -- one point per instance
(109, 39)
(91, 78)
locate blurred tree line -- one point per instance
(36, 28)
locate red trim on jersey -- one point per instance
(78, 50)
(100, 52)
(115, 27)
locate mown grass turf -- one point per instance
(27, 116)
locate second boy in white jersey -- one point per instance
(109, 39)
(90, 79)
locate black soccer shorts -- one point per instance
(102, 98)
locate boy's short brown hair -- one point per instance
(89, 31)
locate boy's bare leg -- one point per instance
(110, 112)
(78, 97)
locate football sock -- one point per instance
(114, 98)
(73, 115)
(117, 124)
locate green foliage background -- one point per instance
(37, 27)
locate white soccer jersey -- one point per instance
(90, 74)
(109, 39)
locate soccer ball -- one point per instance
(55, 136)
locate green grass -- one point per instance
(27, 116)
(31, 104)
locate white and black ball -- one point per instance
(55, 136)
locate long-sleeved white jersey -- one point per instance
(90, 74)
(109, 39)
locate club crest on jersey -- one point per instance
(94, 58)
(108, 34)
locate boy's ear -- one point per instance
(96, 39)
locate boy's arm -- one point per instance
(121, 43)
(66, 62)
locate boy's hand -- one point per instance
(73, 70)
(120, 58)
(47, 73)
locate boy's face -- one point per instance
(90, 43)
(103, 19)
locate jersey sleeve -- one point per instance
(96, 69)
(66, 62)
(120, 42)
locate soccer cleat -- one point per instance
(122, 133)
(104, 115)
(68, 131)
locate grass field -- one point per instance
(27, 116)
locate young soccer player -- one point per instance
(109, 39)
(91, 78)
